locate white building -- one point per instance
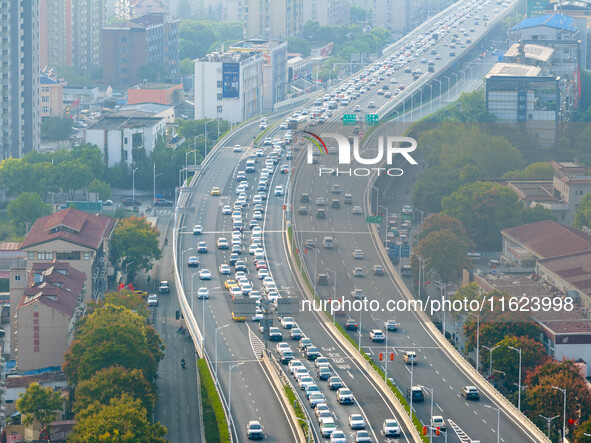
(229, 86)
(116, 137)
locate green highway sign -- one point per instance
(349, 119)
(372, 119)
(374, 219)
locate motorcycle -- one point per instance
(183, 363)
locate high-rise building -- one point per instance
(88, 19)
(277, 19)
(55, 33)
(20, 122)
(150, 41)
(327, 12)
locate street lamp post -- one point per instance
(230, 388)
(477, 315)
(430, 423)
(387, 212)
(192, 291)
(563, 411)
(549, 422)
(307, 424)
(334, 318)
(519, 382)
(182, 261)
(155, 175)
(133, 185)
(490, 351)
(126, 265)
(439, 96)
(216, 350)
(498, 421)
(411, 381)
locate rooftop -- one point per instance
(513, 70)
(70, 225)
(143, 22)
(575, 269)
(15, 381)
(230, 57)
(535, 52)
(148, 85)
(549, 239)
(557, 21)
(115, 122)
(533, 190)
(56, 285)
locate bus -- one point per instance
(297, 123)
(406, 214)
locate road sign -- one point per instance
(158, 195)
(372, 119)
(405, 251)
(349, 119)
(393, 251)
(374, 219)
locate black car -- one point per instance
(335, 204)
(312, 352)
(320, 213)
(303, 210)
(130, 202)
(335, 383)
(234, 257)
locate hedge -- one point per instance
(214, 419)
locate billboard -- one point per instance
(230, 80)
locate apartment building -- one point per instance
(148, 41)
(277, 19)
(51, 97)
(20, 118)
(327, 12)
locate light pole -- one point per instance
(430, 421)
(498, 421)
(411, 380)
(519, 382)
(448, 86)
(422, 262)
(387, 212)
(187, 162)
(439, 95)
(386, 353)
(126, 265)
(334, 318)
(307, 424)
(205, 138)
(490, 351)
(563, 411)
(230, 388)
(133, 185)
(216, 350)
(477, 315)
(377, 197)
(359, 330)
(155, 175)
(549, 422)
(192, 281)
(182, 261)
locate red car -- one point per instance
(260, 264)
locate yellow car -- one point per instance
(215, 191)
(229, 284)
(238, 317)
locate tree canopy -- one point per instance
(197, 38)
(135, 243)
(538, 170)
(40, 404)
(56, 128)
(24, 210)
(113, 335)
(583, 212)
(484, 208)
(447, 254)
(439, 222)
(111, 382)
(123, 420)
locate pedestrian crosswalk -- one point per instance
(256, 343)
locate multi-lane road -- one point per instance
(244, 382)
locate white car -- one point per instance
(437, 421)
(152, 300)
(356, 421)
(279, 191)
(262, 273)
(282, 346)
(257, 215)
(202, 293)
(225, 269)
(227, 210)
(258, 316)
(287, 322)
(205, 274)
(390, 428)
(197, 230)
(237, 148)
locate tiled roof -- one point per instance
(557, 21)
(71, 225)
(549, 239)
(23, 381)
(59, 289)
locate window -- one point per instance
(45, 110)
(44, 99)
(17, 278)
(219, 84)
(219, 97)
(87, 256)
(73, 255)
(31, 256)
(44, 255)
(220, 109)
(45, 89)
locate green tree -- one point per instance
(299, 45)
(103, 189)
(125, 298)
(484, 208)
(39, 404)
(539, 170)
(24, 210)
(507, 360)
(584, 428)
(447, 253)
(135, 243)
(583, 212)
(470, 107)
(492, 332)
(536, 214)
(439, 222)
(187, 67)
(72, 77)
(113, 335)
(56, 128)
(73, 175)
(468, 292)
(154, 73)
(358, 14)
(123, 420)
(111, 382)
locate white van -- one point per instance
(328, 242)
